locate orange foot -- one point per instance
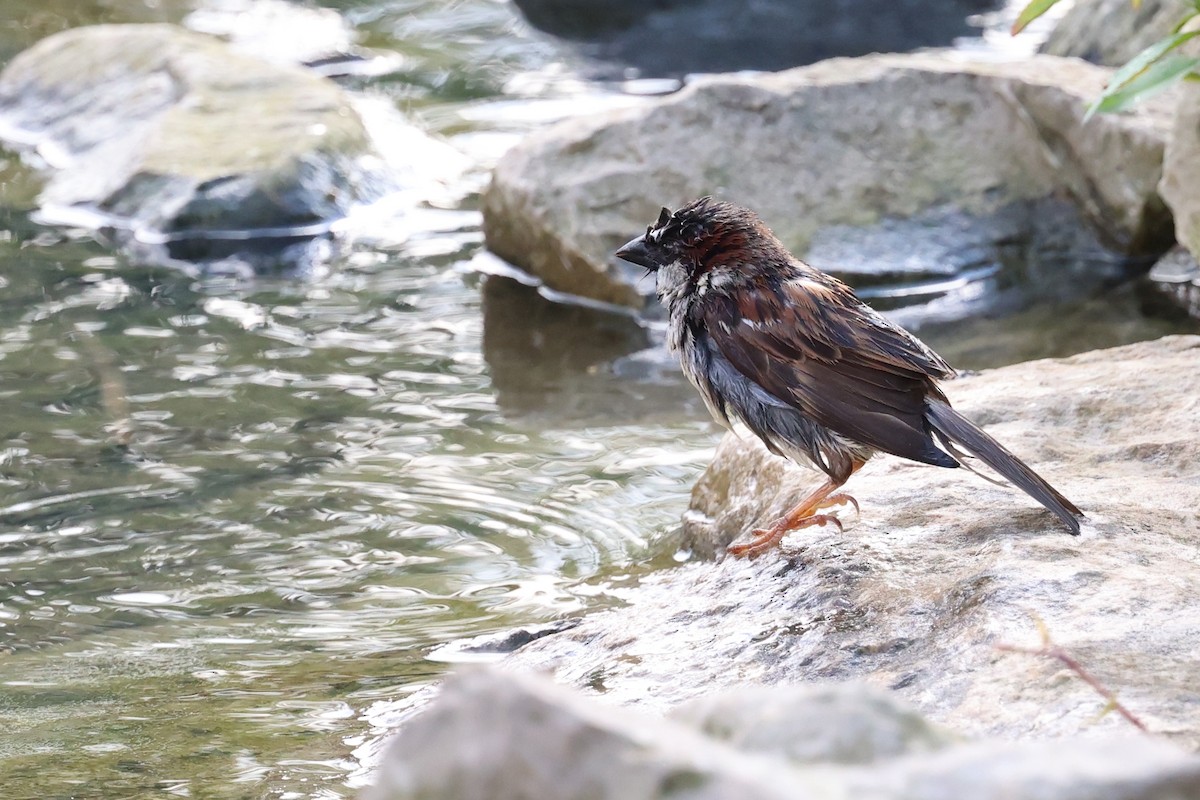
(764, 539)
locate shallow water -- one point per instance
(233, 510)
(237, 513)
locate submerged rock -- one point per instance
(843, 142)
(672, 37)
(171, 136)
(493, 736)
(942, 567)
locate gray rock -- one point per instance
(942, 566)
(836, 723)
(1125, 768)
(683, 36)
(1181, 169)
(168, 133)
(843, 142)
(493, 736)
(1176, 276)
(1111, 32)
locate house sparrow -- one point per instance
(813, 371)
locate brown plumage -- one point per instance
(813, 371)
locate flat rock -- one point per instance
(168, 133)
(842, 142)
(943, 566)
(492, 736)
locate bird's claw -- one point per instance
(763, 539)
(841, 498)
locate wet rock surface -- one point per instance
(494, 736)
(672, 37)
(843, 142)
(1176, 277)
(1111, 32)
(945, 266)
(172, 136)
(943, 566)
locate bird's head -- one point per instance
(698, 237)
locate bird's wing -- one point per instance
(813, 345)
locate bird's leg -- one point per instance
(802, 515)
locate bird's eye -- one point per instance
(691, 235)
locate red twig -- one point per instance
(1050, 650)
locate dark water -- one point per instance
(238, 515)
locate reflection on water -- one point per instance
(564, 362)
(236, 513)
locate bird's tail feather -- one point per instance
(953, 428)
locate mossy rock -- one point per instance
(168, 131)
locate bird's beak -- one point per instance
(634, 251)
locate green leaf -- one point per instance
(1136, 65)
(1031, 12)
(1154, 79)
(1187, 18)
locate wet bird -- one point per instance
(813, 371)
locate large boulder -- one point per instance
(943, 567)
(842, 142)
(170, 134)
(686, 36)
(1111, 32)
(491, 736)
(1181, 170)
